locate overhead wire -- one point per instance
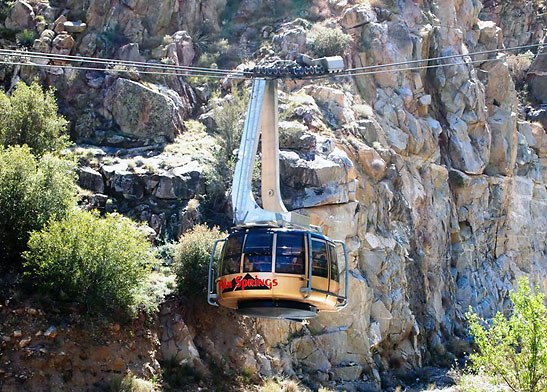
(444, 57)
(161, 69)
(107, 61)
(420, 67)
(114, 70)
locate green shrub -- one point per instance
(330, 42)
(26, 38)
(229, 128)
(228, 118)
(514, 348)
(191, 259)
(32, 192)
(100, 262)
(30, 117)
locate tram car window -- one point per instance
(258, 252)
(320, 264)
(232, 254)
(334, 274)
(290, 253)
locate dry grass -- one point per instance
(282, 385)
(194, 142)
(130, 383)
(479, 383)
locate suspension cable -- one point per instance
(443, 57)
(417, 68)
(135, 64)
(71, 67)
(222, 73)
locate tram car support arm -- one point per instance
(212, 297)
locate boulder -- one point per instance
(334, 102)
(20, 16)
(184, 47)
(290, 40)
(348, 373)
(295, 136)
(90, 179)
(539, 115)
(146, 112)
(491, 36)
(357, 16)
(130, 52)
(123, 182)
(308, 183)
(500, 89)
(62, 44)
(305, 350)
(176, 340)
(74, 27)
(371, 162)
(181, 183)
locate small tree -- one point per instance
(100, 262)
(30, 117)
(191, 259)
(514, 348)
(32, 192)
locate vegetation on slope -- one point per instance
(29, 116)
(32, 191)
(99, 262)
(514, 348)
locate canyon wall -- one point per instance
(433, 177)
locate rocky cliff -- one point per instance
(435, 178)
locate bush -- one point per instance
(515, 348)
(26, 38)
(191, 259)
(228, 118)
(32, 192)
(229, 127)
(330, 42)
(100, 262)
(30, 117)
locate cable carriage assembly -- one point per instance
(274, 263)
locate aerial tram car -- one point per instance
(274, 263)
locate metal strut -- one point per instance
(262, 119)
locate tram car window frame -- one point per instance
(258, 251)
(333, 256)
(290, 257)
(232, 253)
(319, 270)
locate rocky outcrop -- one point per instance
(20, 17)
(150, 112)
(537, 77)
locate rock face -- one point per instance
(20, 17)
(146, 112)
(432, 177)
(537, 77)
